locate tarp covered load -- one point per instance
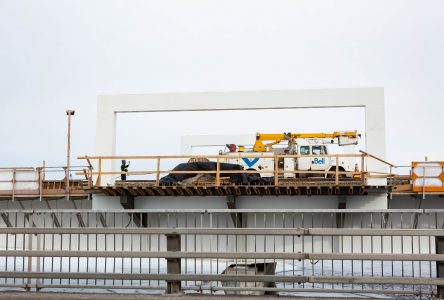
(172, 179)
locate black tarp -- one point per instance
(171, 179)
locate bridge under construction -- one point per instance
(31, 184)
(294, 221)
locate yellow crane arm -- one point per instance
(259, 145)
(276, 138)
(335, 134)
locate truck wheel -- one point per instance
(340, 169)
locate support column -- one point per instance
(173, 264)
(140, 219)
(439, 241)
(342, 204)
(236, 217)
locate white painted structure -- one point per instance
(371, 99)
(19, 179)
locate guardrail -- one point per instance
(362, 173)
(41, 182)
(428, 177)
(390, 252)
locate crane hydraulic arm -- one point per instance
(259, 145)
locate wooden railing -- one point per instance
(95, 176)
(40, 182)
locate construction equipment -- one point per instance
(312, 150)
(344, 138)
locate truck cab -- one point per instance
(310, 162)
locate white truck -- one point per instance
(312, 149)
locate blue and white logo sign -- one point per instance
(249, 162)
(319, 161)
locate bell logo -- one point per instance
(250, 163)
(319, 161)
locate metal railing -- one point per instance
(161, 165)
(41, 182)
(390, 252)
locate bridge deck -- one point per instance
(295, 187)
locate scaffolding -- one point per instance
(147, 182)
(44, 183)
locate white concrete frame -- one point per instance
(372, 99)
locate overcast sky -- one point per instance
(59, 54)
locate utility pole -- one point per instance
(69, 113)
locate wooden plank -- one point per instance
(220, 191)
(241, 154)
(377, 158)
(169, 191)
(218, 172)
(337, 170)
(120, 190)
(288, 191)
(402, 187)
(112, 191)
(131, 191)
(224, 172)
(159, 191)
(158, 172)
(276, 171)
(198, 190)
(99, 177)
(257, 190)
(180, 191)
(189, 191)
(363, 171)
(139, 191)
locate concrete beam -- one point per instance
(372, 99)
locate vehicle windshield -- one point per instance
(318, 150)
(305, 150)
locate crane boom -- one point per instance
(276, 138)
(335, 134)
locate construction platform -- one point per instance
(295, 187)
(98, 177)
(362, 181)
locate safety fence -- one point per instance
(280, 169)
(43, 182)
(428, 176)
(390, 252)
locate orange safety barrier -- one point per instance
(428, 176)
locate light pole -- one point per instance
(69, 113)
